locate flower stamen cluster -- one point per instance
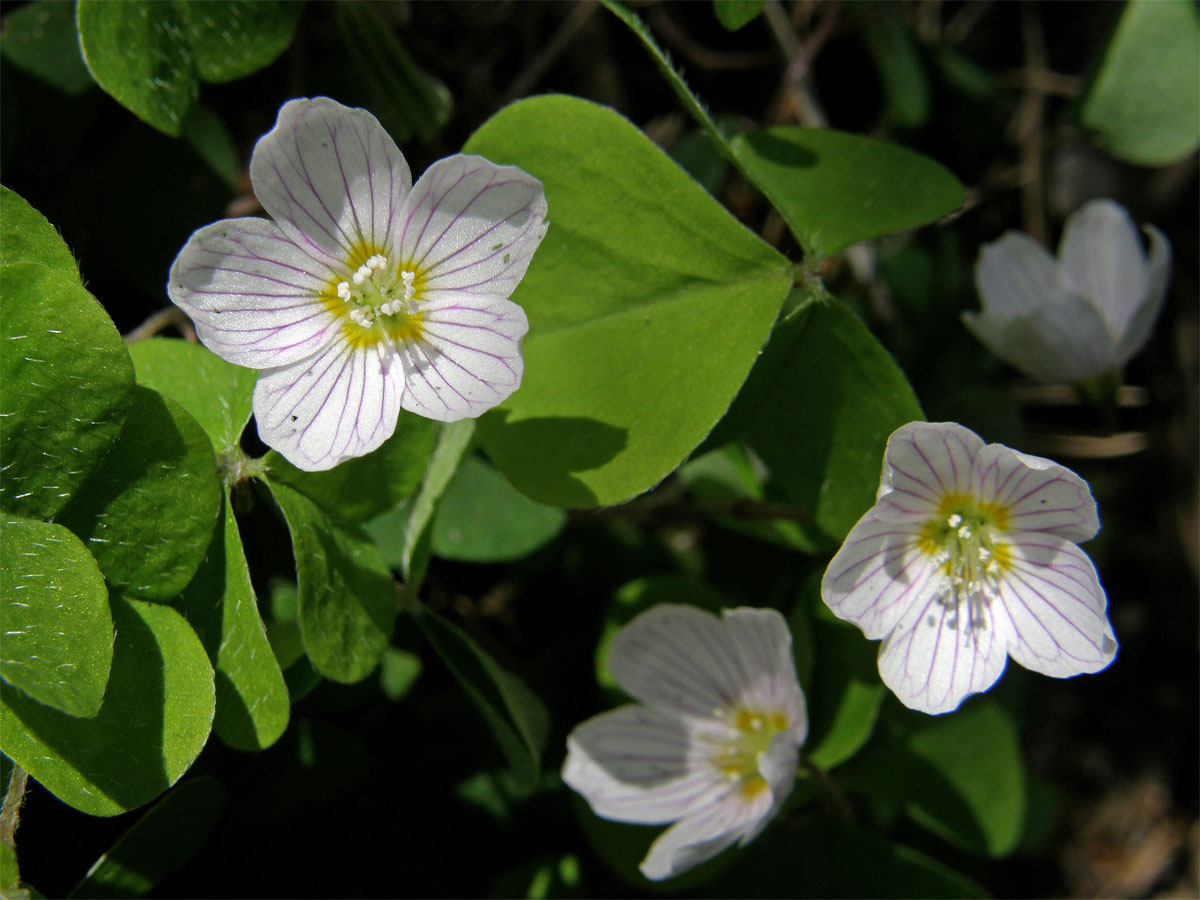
(377, 289)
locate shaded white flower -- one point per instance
(1083, 315)
(712, 744)
(967, 558)
(365, 294)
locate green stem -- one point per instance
(834, 797)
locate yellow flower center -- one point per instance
(379, 300)
(964, 538)
(740, 759)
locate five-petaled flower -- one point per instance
(712, 746)
(1078, 317)
(968, 557)
(365, 294)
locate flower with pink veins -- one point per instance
(364, 294)
(967, 558)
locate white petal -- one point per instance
(1038, 493)
(1014, 275)
(1158, 273)
(332, 178)
(335, 405)
(252, 293)
(939, 653)
(1057, 608)
(682, 660)
(924, 462)
(778, 766)
(635, 764)
(762, 642)
(702, 836)
(879, 572)
(472, 227)
(467, 359)
(1064, 340)
(1101, 259)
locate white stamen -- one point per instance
(409, 287)
(955, 520)
(343, 290)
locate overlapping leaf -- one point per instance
(647, 305)
(156, 717)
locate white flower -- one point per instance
(712, 746)
(366, 294)
(1083, 315)
(968, 557)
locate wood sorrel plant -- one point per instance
(390, 378)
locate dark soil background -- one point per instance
(1112, 758)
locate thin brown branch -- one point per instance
(541, 63)
(164, 318)
(702, 57)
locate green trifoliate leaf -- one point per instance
(163, 839)
(1141, 107)
(216, 393)
(515, 715)
(648, 303)
(148, 512)
(157, 713)
(148, 55)
(65, 385)
(58, 636)
(823, 416)
(483, 518)
(363, 487)
(835, 189)
(347, 597)
(252, 700)
(40, 39)
(961, 776)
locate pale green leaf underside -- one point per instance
(347, 597)
(147, 514)
(156, 717)
(253, 706)
(835, 189)
(58, 636)
(647, 304)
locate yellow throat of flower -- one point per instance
(740, 759)
(964, 538)
(380, 300)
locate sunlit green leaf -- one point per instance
(513, 712)
(1141, 106)
(483, 518)
(252, 700)
(215, 392)
(40, 39)
(647, 304)
(148, 512)
(58, 639)
(26, 236)
(347, 598)
(65, 385)
(835, 189)
(156, 717)
(363, 487)
(823, 419)
(163, 839)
